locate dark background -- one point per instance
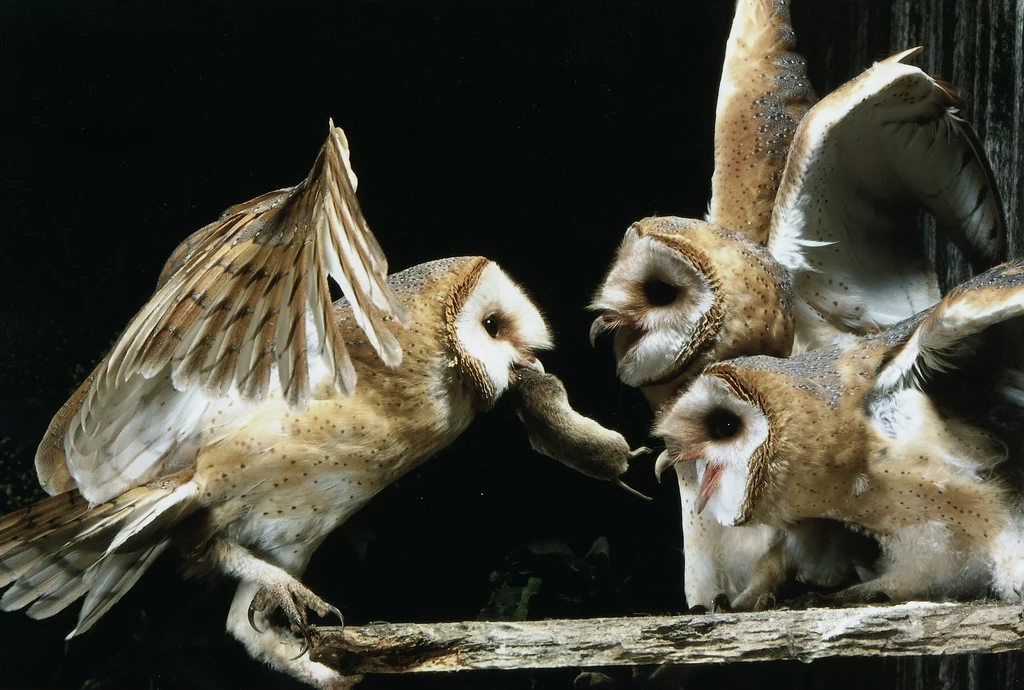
(529, 132)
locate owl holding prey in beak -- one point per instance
(242, 416)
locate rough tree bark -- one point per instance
(906, 629)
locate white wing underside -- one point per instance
(864, 159)
(245, 315)
(988, 299)
(941, 340)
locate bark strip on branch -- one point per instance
(917, 628)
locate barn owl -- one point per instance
(227, 419)
(913, 435)
(809, 240)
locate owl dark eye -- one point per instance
(722, 424)
(659, 293)
(491, 325)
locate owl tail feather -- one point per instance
(61, 549)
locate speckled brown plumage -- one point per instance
(756, 318)
(762, 97)
(871, 434)
(835, 220)
(227, 418)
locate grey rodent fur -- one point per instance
(558, 431)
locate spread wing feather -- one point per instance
(242, 311)
(763, 94)
(922, 346)
(863, 160)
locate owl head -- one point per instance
(726, 433)
(485, 324)
(749, 423)
(682, 294)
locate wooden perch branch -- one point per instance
(906, 629)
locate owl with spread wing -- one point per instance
(242, 416)
(810, 239)
(913, 435)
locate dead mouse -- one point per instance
(560, 432)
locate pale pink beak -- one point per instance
(608, 321)
(665, 460)
(663, 463)
(708, 483)
(529, 362)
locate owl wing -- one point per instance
(951, 384)
(242, 301)
(934, 341)
(763, 94)
(862, 161)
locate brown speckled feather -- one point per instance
(755, 320)
(763, 93)
(236, 299)
(867, 433)
(242, 310)
(983, 301)
(51, 459)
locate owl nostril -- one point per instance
(660, 293)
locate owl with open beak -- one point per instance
(809, 240)
(914, 436)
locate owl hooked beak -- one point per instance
(708, 481)
(529, 361)
(626, 331)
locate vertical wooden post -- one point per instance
(978, 47)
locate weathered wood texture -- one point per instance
(905, 629)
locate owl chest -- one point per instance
(281, 479)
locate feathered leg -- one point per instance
(270, 587)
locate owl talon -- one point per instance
(303, 650)
(293, 600)
(252, 615)
(720, 604)
(335, 612)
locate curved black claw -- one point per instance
(720, 604)
(292, 602)
(305, 647)
(252, 615)
(337, 613)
